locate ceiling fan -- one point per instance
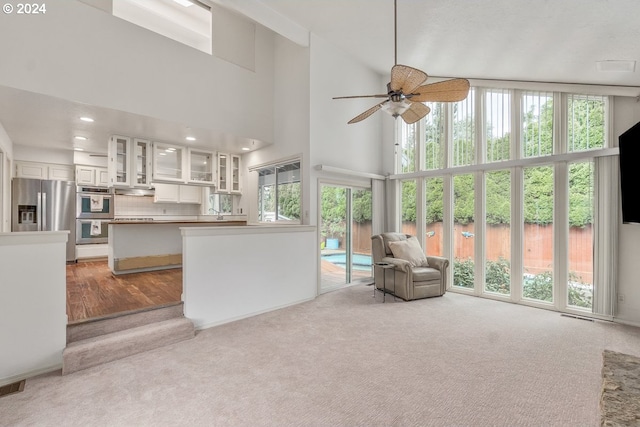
(406, 91)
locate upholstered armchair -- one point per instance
(413, 275)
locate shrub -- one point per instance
(463, 273)
(498, 276)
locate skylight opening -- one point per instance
(174, 19)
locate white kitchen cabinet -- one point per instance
(119, 154)
(169, 162)
(32, 170)
(39, 170)
(61, 172)
(91, 175)
(102, 177)
(229, 173)
(175, 193)
(141, 164)
(201, 167)
(190, 194)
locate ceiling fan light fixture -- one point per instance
(396, 108)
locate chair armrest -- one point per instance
(438, 262)
(398, 263)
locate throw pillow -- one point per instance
(409, 250)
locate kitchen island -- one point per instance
(147, 245)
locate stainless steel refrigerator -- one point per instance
(44, 205)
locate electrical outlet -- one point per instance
(621, 298)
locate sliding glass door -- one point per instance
(345, 236)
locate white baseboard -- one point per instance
(201, 326)
(29, 374)
(626, 322)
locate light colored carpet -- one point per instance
(620, 403)
(346, 359)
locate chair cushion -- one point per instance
(392, 237)
(425, 274)
(409, 250)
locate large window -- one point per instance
(517, 161)
(537, 124)
(581, 204)
(434, 136)
(408, 208)
(279, 194)
(538, 234)
(434, 234)
(185, 21)
(586, 124)
(464, 131)
(463, 231)
(498, 232)
(498, 125)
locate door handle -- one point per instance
(44, 212)
(39, 211)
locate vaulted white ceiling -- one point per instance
(523, 40)
(526, 40)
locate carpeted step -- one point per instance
(121, 321)
(118, 345)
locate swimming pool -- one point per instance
(360, 262)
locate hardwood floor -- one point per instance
(93, 291)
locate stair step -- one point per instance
(121, 321)
(117, 345)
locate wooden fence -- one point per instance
(538, 245)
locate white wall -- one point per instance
(291, 120)
(6, 147)
(627, 114)
(32, 303)
(32, 154)
(81, 53)
(356, 147)
(234, 272)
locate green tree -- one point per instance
(409, 201)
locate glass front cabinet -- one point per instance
(229, 174)
(119, 151)
(201, 167)
(129, 162)
(169, 162)
(141, 163)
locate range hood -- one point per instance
(149, 192)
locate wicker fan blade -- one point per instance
(367, 113)
(406, 79)
(447, 91)
(416, 111)
(361, 96)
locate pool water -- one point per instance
(360, 262)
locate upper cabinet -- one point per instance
(169, 162)
(43, 171)
(229, 174)
(119, 154)
(129, 162)
(201, 167)
(91, 175)
(141, 163)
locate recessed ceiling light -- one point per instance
(170, 150)
(190, 138)
(246, 149)
(163, 154)
(81, 138)
(79, 149)
(86, 119)
(185, 3)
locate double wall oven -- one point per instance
(94, 210)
